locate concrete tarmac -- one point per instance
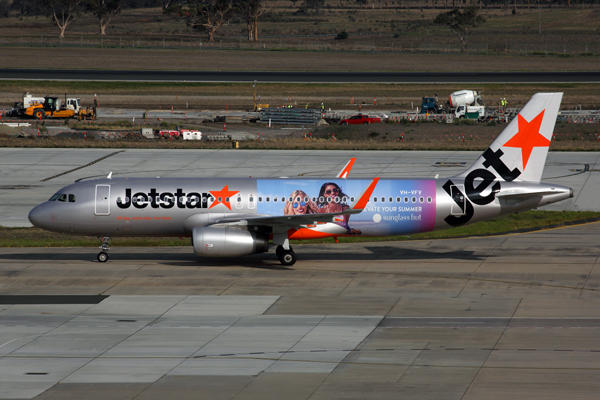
(499, 317)
(29, 176)
(508, 317)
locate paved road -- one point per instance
(302, 77)
(505, 317)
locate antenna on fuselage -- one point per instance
(109, 175)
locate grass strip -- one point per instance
(521, 222)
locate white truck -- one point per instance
(471, 112)
(467, 104)
(191, 134)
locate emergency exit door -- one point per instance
(458, 197)
(102, 200)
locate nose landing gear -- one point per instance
(103, 255)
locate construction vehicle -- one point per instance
(467, 104)
(20, 106)
(431, 105)
(86, 113)
(465, 98)
(471, 112)
(52, 107)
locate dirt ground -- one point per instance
(389, 97)
(385, 136)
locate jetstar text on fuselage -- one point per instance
(179, 199)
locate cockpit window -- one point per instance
(62, 197)
(71, 198)
(54, 197)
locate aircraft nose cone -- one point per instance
(36, 217)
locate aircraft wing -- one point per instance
(304, 219)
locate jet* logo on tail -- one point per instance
(528, 137)
(522, 146)
(518, 154)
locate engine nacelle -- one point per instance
(227, 242)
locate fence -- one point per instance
(359, 43)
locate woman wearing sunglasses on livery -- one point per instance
(299, 203)
(331, 200)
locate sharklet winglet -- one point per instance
(346, 170)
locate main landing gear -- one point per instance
(286, 257)
(103, 255)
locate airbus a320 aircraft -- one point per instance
(240, 216)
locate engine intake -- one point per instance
(227, 242)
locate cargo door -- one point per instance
(102, 200)
(458, 203)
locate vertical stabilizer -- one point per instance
(519, 153)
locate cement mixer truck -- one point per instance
(467, 104)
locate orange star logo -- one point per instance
(222, 196)
(528, 137)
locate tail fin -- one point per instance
(519, 153)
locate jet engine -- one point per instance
(227, 242)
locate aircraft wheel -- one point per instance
(287, 257)
(103, 256)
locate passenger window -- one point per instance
(391, 200)
(383, 199)
(429, 199)
(63, 197)
(374, 199)
(414, 199)
(406, 199)
(71, 198)
(398, 200)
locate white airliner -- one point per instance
(240, 216)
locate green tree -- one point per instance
(4, 8)
(205, 16)
(62, 12)
(251, 10)
(104, 10)
(461, 23)
(314, 5)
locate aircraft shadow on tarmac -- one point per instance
(257, 260)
